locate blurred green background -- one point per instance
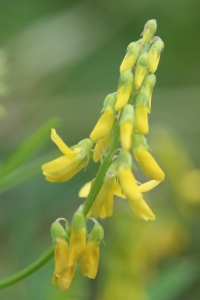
(58, 61)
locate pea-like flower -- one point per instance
(73, 160)
(127, 189)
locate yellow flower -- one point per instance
(114, 188)
(132, 54)
(73, 160)
(133, 194)
(141, 69)
(125, 87)
(90, 259)
(148, 164)
(63, 273)
(154, 54)
(126, 126)
(103, 204)
(149, 31)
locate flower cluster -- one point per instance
(71, 245)
(123, 120)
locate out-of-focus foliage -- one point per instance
(61, 59)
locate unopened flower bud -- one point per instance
(141, 111)
(124, 89)
(141, 69)
(149, 31)
(90, 258)
(105, 122)
(77, 237)
(132, 54)
(126, 126)
(154, 54)
(149, 83)
(57, 231)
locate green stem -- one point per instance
(36, 265)
(102, 172)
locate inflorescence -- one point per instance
(123, 120)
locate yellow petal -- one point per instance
(77, 244)
(54, 279)
(139, 76)
(141, 209)
(61, 145)
(149, 166)
(104, 125)
(61, 254)
(108, 203)
(126, 129)
(141, 116)
(117, 190)
(65, 280)
(102, 212)
(90, 259)
(128, 62)
(102, 146)
(84, 191)
(123, 94)
(128, 184)
(64, 177)
(147, 186)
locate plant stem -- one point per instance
(36, 265)
(102, 171)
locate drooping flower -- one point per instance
(73, 160)
(90, 257)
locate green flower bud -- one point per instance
(97, 233)
(141, 111)
(125, 159)
(109, 101)
(124, 89)
(149, 83)
(141, 69)
(154, 54)
(132, 54)
(57, 231)
(149, 31)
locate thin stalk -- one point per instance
(36, 265)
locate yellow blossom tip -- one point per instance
(104, 125)
(61, 145)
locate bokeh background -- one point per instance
(58, 61)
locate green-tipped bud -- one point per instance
(149, 83)
(77, 237)
(109, 101)
(141, 111)
(125, 159)
(149, 31)
(141, 69)
(57, 231)
(90, 258)
(124, 89)
(139, 140)
(97, 233)
(132, 53)
(126, 126)
(154, 54)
